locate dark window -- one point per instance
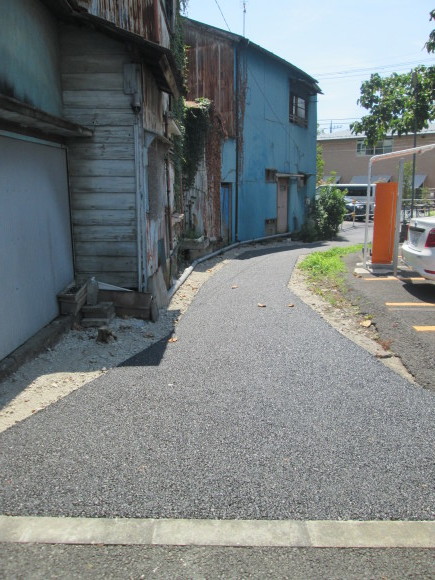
(298, 109)
(270, 175)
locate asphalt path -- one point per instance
(252, 413)
(35, 562)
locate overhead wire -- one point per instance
(222, 14)
(360, 71)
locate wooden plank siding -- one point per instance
(101, 168)
(115, 201)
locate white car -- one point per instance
(418, 251)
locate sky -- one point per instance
(338, 42)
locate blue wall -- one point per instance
(29, 66)
(271, 141)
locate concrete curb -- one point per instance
(181, 532)
(223, 250)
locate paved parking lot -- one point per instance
(403, 309)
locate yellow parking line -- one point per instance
(417, 304)
(389, 278)
(424, 328)
(382, 278)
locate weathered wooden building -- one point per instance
(268, 110)
(121, 179)
(86, 171)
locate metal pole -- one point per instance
(402, 153)
(414, 86)
(366, 230)
(413, 177)
(398, 213)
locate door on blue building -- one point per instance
(282, 205)
(226, 212)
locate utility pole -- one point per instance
(414, 84)
(244, 17)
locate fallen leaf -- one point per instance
(261, 305)
(366, 323)
(173, 339)
(234, 287)
(291, 305)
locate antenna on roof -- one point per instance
(244, 16)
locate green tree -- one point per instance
(430, 44)
(407, 180)
(400, 103)
(320, 162)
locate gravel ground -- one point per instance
(257, 408)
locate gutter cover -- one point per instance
(290, 174)
(14, 112)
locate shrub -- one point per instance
(328, 211)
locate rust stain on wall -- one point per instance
(138, 16)
(211, 74)
(213, 161)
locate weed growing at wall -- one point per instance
(196, 128)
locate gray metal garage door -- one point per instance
(35, 237)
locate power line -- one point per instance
(343, 119)
(357, 71)
(220, 10)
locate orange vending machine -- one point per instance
(384, 226)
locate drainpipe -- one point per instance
(168, 210)
(156, 22)
(141, 237)
(398, 215)
(237, 113)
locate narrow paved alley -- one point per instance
(254, 410)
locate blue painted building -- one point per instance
(268, 108)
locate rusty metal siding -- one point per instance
(143, 17)
(211, 74)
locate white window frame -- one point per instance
(381, 147)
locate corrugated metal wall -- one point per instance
(143, 17)
(211, 73)
(35, 238)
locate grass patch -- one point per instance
(325, 273)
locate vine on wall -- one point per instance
(178, 109)
(213, 160)
(196, 129)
